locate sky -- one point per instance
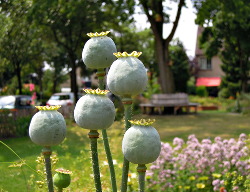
(186, 30)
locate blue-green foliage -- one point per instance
(201, 91)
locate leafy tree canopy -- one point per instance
(180, 65)
(226, 33)
(16, 37)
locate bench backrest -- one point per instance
(174, 98)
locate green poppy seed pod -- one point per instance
(141, 143)
(94, 110)
(47, 127)
(127, 75)
(98, 51)
(62, 178)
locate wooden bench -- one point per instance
(177, 101)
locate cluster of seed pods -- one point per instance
(127, 77)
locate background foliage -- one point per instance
(226, 33)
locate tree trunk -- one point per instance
(169, 72)
(244, 77)
(72, 60)
(244, 69)
(154, 11)
(166, 75)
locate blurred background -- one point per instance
(198, 47)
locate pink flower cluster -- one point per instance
(206, 164)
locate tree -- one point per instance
(51, 78)
(15, 49)
(66, 23)
(226, 33)
(154, 11)
(130, 39)
(180, 65)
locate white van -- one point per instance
(62, 99)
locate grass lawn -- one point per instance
(206, 124)
(74, 153)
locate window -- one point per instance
(25, 101)
(205, 63)
(60, 97)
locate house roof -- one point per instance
(198, 50)
(208, 81)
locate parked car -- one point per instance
(15, 102)
(62, 99)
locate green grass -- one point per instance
(74, 153)
(203, 125)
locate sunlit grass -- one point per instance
(74, 153)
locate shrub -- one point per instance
(224, 93)
(201, 166)
(244, 100)
(201, 91)
(7, 126)
(22, 125)
(191, 88)
(15, 123)
(212, 101)
(241, 104)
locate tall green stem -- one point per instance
(141, 169)
(125, 170)
(127, 102)
(94, 135)
(110, 160)
(47, 153)
(100, 75)
(25, 179)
